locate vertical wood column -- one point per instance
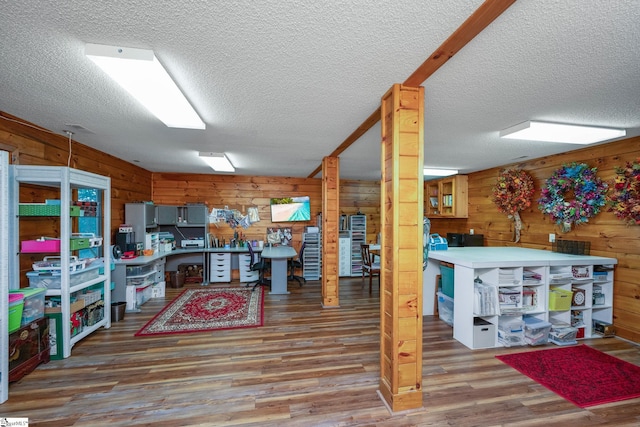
(402, 208)
(330, 233)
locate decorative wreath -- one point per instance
(588, 195)
(624, 200)
(513, 193)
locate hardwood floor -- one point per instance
(306, 366)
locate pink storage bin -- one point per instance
(38, 246)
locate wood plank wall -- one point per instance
(30, 144)
(33, 145)
(607, 235)
(242, 192)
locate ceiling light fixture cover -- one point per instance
(439, 172)
(217, 161)
(563, 133)
(140, 73)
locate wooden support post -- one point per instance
(401, 210)
(330, 218)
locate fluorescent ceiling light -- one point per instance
(439, 172)
(140, 73)
(217, 161)
(556, 132)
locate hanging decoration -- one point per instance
(513, 193)
(233, 217)
(572, 195)
(624, 199)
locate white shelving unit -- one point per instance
(344, 253)
(65, 180)
(4, 276)
(358, 228)
(311, 257)
(502, 285)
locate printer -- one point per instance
(192, 243)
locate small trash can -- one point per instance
(177, 279)
(117, 311)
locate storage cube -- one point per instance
(484, 333)
(559, 299)
(445, 308)
(33, 308)
(536, 331)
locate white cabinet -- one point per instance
(244, 265)
(220, 267)
(4, 276)
(63, 184)
(503, 286)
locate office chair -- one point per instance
(260, 266)
(369, 266)
(297, 263)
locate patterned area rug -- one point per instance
(580, 374)
(208, 309)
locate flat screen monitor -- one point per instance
(290, 209)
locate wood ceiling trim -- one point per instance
(474, 25)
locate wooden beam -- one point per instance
(355, 135)
(474, 25)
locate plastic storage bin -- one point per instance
(536, 331)
(446, 271)
(16, 305)
(140, 270)
(559, 299)
(445, 308)
(510, 331)
(53, 280)
(33, 308)
(563, 334)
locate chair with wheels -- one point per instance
(260, 266)
(369, 266)
(297, 264)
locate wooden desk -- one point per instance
(279, 271)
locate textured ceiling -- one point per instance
(281, 84)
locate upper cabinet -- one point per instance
(447, 197)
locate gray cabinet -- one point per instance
(192, 215)
(167, 215)
(142, 217)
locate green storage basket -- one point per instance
(16, 305)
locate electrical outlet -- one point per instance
(552, 238)
(471, 231)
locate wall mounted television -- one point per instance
(290, 209)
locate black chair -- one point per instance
(260, 266)
(297, 264)
(369, 266)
